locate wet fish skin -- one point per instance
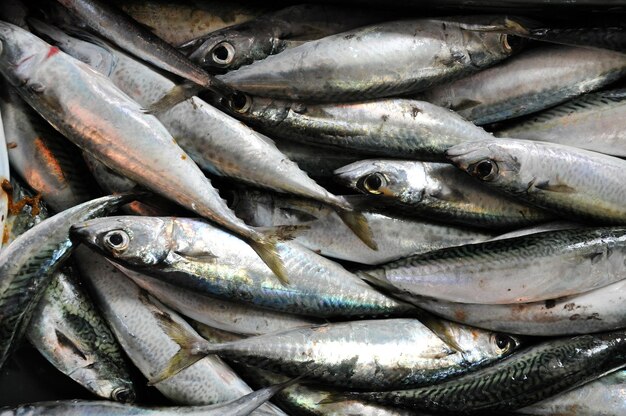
(524, 378)
(394, 127)
(355, 354)
(524, 84)
(193, 254)
(5, 177)
(603, 397)
(397, 236)
(26, 266)
(592, 121)
(47, 162)
(68, 330)
(243, 406)
(131, 314)
(129, 35)
(436, 191)
(374, 61)
(564, 179)
(598, 310)
(102, 120)
(269, 34)
(218, 313)
(525, 269)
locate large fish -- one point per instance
(539, 372)
(380, 60)
(593, 121)
(27, 265)
(525, 84)
(395, 127)
(561, 178)
(215, 141)
(132, 316)
(102, 120)
(354, 355)
(529, 268)
(192, 253)
(437, 191)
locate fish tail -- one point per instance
(357, 222)
(267, 250)
(176, 95)
(193, 348)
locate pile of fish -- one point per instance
(313, 210)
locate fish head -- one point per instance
(231, 48)
(265, 111)
(392, 179)
(479, 343)
(98, 380)
(21, 53)
(130, 240)
(498, 162)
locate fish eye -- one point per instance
(485, 170)
(373, 182)
(123, 394)
(223, 54)
(240, 102)
(504, 343)
(116, 240)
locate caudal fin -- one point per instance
(193, 348)
(267, 250)
(357, 222)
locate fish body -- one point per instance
(375, 61)
(530, 268)
(593, 121)
(394, 127)
(27, 265)
(560, 178)
(193, 254)
(436, 191)
(525, 84)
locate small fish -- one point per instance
(271, 33)
(27, 265)
(353, 354)
(192, 253)
(530, 268)
(595, 121)
(438, 192)
(560, 178)
(394, 127)
(531, 375)
(525, 84)
(375, 61)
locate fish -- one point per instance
(531, 268)
(603, 397)
(352, 355)
(27, 265)
(5, 177)
(270, 34)
(121, 29)
(560, 178)
(218, 313)
(102, 120)
(68, 330)
(46, 161)
(375, 61)
(242, 406)
(524, 378)
(391, 127)
(597, 310)
(131, 314)
(397, 236)
(181, 22)
(220, 144)
(548, 226)
(438, 192)
(592, 121)
(524, 84)
(193, 254)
